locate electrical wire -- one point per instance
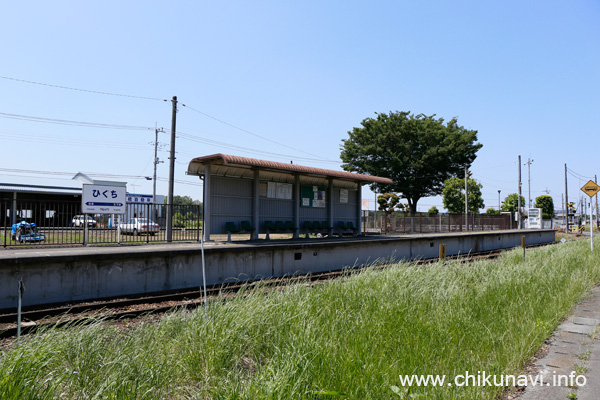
(216, 143)
(29, 138)
(180, 134)
(29, 176)
(497, 166)
(74, 123)
(254, 134)
(91, 174)
(577, 175)
(30, 171)
(81, 90)
(491, 179)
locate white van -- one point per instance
(78, 221)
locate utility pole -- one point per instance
(171, 173)
(156, 162)
(467, 175)
(566, 201)
(519, 226)
(529, 161)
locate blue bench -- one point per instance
(347, 227)
(232, 227)
(316, 227)
(279, 226)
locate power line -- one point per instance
(91, 174)
(81, 90)
(481, 177)
(577, 175)
(29, 176)
(75, 123)
(497, 166)
(183, 135)
(254, 134)
(32, 171)
(25, 137)
(216, 143)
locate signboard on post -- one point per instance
(101, 199)
(365, 204)
(591, 189)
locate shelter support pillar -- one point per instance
(330, 208)
(206, 203)
(359, 208)
(13, 211)
(297, 200)
(256, 203)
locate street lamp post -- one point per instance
(467, 175)
(498, 200)
(528, 163)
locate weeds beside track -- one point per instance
(351, 336)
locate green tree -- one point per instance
(185, 205)
(511, 202)
(492, 211)
(184, 201)
(178, 220)
(417, 152)
(433, 210)
(546, 203)
(388, 202)
(453, 195)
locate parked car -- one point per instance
(138, 226)
(78, 221)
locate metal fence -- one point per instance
(61, 223)
(444, 223)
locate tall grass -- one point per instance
(352, 336)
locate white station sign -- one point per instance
(100, 199)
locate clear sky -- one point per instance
(285, 81)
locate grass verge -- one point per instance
(349, 338)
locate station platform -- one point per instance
(53, 275)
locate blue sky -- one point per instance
(286, 81)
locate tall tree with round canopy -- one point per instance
(417, 152)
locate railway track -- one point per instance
(154, 303)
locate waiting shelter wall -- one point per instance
(274, 209)
(345, 203)
(231, 201)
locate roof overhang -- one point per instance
(90, 181)
(244, 167)
(21, 188)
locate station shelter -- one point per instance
(257, 192)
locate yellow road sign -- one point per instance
(590, 188)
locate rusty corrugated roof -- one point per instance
(230, 160)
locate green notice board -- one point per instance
(313, 196)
